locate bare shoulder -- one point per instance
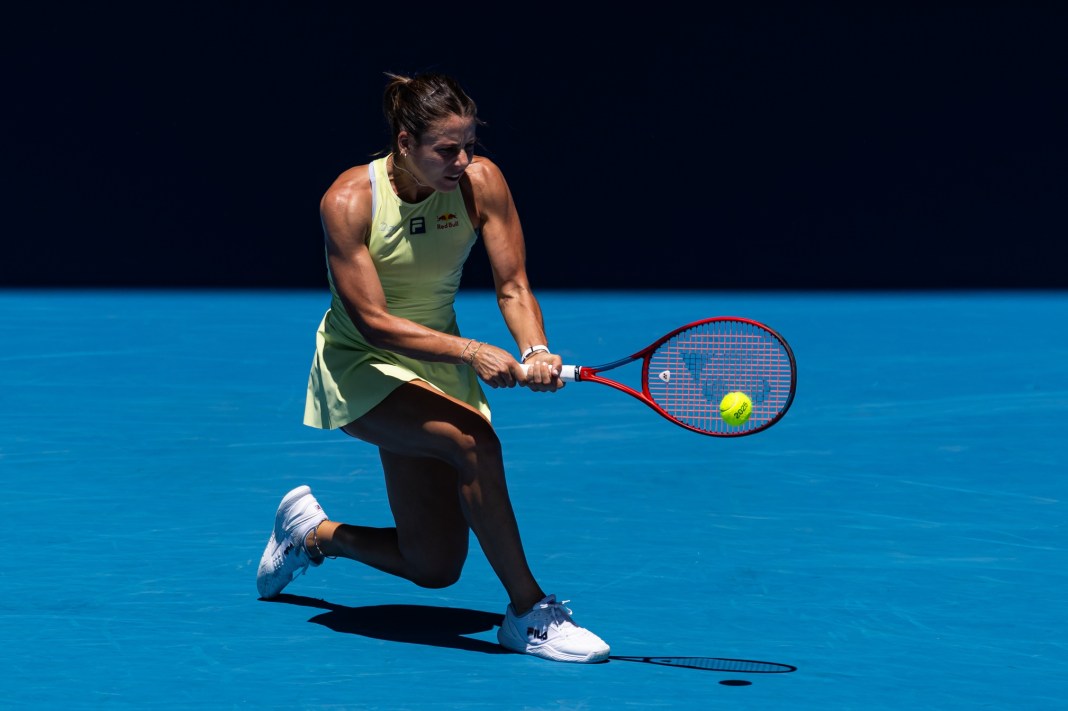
(349, 191)
(487, 183)
(347, 202)
(484, 173)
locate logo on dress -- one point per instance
(447, 221)
(417, 226)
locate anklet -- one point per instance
(315, 542)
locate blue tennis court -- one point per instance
(897, 541)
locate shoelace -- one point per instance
(556, 610)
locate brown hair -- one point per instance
(413, 103)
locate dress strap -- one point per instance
(374, 189)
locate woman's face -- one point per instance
(443, 155)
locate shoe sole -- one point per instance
(554, 655)
(545, 651)
(279, 527)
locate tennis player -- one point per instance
(391, 368)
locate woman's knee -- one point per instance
(438, 574)
(476, 443)
(435, 555)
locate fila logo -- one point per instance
(417, 226)
(534, 633)
(447, 221)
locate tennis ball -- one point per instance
(735, 408)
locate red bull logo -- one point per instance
(448, 221)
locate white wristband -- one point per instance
(532, 350)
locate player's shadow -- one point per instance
(413, 624)
(450, 627)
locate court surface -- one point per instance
(897, 541)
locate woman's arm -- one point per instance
(502, 235)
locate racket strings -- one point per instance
(689, 374)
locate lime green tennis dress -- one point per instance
(419, 251)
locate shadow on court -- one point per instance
(414, 624)
(449, 626)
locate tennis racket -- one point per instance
(687, 372)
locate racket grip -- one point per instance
(567, 372)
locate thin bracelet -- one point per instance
(471, 360)
(462, 359)
(539, 348)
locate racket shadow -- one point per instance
(718, 664)
(411, 624)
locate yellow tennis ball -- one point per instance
(735, 408)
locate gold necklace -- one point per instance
(397, 166)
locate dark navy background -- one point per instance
(885, 146)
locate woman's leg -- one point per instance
(429, 543)
(444, 473)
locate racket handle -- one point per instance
(567, 372)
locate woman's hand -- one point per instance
(543, 373)
(495, 366)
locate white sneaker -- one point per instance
(548, 631)
(285, 556)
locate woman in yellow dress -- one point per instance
(392, 369)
